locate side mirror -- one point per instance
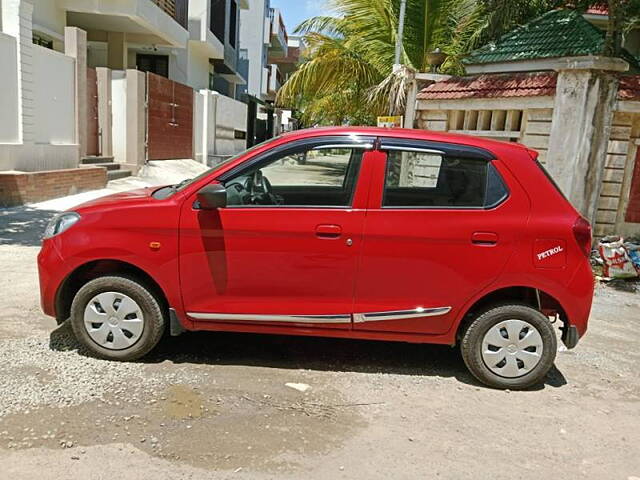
(212, 196)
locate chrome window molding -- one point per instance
(412, 149)
(361, 146)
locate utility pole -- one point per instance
(403, 6)
(396, 61)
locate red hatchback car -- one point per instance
(363, 233)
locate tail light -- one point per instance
(582, 234)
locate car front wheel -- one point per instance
(117, 318)
(509, 346)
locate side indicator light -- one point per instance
(155, 245)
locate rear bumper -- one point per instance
(577, 305)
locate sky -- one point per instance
(295, 11)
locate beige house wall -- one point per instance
(497, 120)
(506, 119)
(626, 163)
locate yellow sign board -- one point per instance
(389, 122)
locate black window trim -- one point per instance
(465, 151)
(507, 192)
(445, 149)
(360, 142)
(335, 141)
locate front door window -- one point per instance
(316, 177)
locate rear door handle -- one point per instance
(328, 231)
(484, 238)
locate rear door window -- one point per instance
(431, 179)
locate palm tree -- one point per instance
(349, 76)
(624, 15)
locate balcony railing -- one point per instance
(177, 9)
(275, 79)
(277, 26)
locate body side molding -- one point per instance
(338, 318)
(250, 317)
(400, 314)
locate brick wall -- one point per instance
(18, 188)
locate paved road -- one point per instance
(209, 406)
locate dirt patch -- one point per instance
(209, 406)
(182, 402)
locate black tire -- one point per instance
(154, 318)
(471, 346)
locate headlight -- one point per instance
(60, 223)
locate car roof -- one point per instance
(407, 133)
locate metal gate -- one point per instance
(93, 129)
(169, 119)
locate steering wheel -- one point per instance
(260, 192)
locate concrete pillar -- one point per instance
(581, 125)
(204, 125)
(278, 123)
(117, 51)
(410, 107)
(419, 81)
(136, 118)
(105, 116)
(198, 121)
(17, 21)
(75, 45)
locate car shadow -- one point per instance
(309, 353)
(23, 225)
(631, 285)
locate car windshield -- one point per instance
(188, 181)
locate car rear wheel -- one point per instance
(117, 318)
(509, 346)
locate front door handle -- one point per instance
(328, 231)
(484, 238)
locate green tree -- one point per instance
(348, 74)
(623, 16)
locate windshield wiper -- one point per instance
(181, 184)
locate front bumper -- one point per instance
(51, 273)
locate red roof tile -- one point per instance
(629, 87)
(601, 9)
(492, 86)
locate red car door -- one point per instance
(441, 226)
(284, 250)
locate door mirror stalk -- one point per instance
(212, 197)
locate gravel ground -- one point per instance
(62, 378)
(211, 406)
